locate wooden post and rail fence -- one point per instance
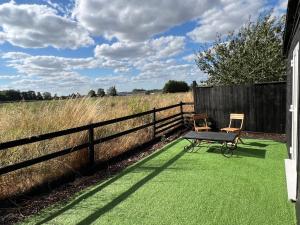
(159, 126)
(263, 105)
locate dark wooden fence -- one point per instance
(264, 105)
(159, 127)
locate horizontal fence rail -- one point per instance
(159, 126)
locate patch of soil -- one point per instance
(266, 136)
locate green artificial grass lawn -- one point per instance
(173, 186)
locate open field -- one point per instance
(18, 120)
(173, 186)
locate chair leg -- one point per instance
(226, 150)
(239, 139)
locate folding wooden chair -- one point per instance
(203, 117)
(235, 117)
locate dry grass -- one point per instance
(20, 120)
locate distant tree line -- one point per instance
(112, 91)
(16, 95)
(171, 86)
(139, 90)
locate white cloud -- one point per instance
(229, 15)
(111, 79)
(49, 73)
(121, 57)
(156, 48)
(69, 83)
(153, 59)
(58, 73)
(160, 72)
(38, 26)
(280, 8)
(189, 58)
(15, 55)
(120, 50)
(9, 77)
(125, 56)
(137, 20)
(45, 66)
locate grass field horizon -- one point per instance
(25, 119)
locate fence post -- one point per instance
(154, 123)
(195, 96)
(181, 112)
(91, 155)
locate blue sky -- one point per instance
(77, 45)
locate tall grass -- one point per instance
(19, 120)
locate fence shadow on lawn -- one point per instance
(94, 216)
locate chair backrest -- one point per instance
(200, 116)
(237, 116)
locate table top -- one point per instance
(211, 136)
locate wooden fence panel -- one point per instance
(263, 104)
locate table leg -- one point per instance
(228, 148)
(192, 145)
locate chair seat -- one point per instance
(202, 128)
(230, 129)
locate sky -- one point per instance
(71, 46)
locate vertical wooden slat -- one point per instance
(195, 97)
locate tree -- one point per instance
(250, 55)
(101, 92)
(39, 96)
(92, 93)
(47, 96)
(72, 96)
(32, 95)
(55, 97)
(173, 86)
(24, 95)
(28, 95)
(112, 91)
(10, 95)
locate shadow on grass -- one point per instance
(149, 168)
(256, 144)
(124, 195)
(241, 151)
(94, 216)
